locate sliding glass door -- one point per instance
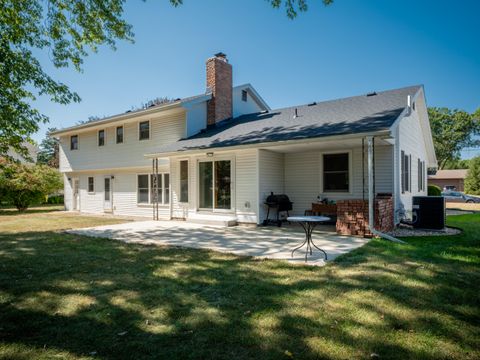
(215, 185)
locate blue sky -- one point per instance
(349, 48)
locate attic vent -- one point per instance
(312, 104)
(372, 93)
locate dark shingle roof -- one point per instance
(351, 115)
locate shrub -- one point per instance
(472, 181)
(55, 199)
(434, 190)
(23, 185)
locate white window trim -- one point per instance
(123, 135)
(104, 138)
(350, 172)
(180, 184)
(149, 130)
(70, 142)
(94, 185)
(231, 158)
(150, 204)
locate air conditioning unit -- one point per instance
(428, 212)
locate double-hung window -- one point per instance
(184, 181)
(421, 175)
(146, 186)
(74, 142)
(101, 137)
(119, 133)
(91, 184)
(336, 172)
(144, 130)
(406, 178)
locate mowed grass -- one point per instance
(72, 297)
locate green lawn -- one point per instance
(72, 297)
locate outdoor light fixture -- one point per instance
(112, 177)
(210, 154)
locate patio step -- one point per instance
(216, 220)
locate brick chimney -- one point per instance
(219, 82)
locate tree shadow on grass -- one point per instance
(84, 295)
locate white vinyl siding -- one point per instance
(271, 177)
(410, 140)
(303, 177)
(244, 186)
(164, 129)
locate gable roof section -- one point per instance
(358, 114)
(449, 174)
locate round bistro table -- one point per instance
(308, 223)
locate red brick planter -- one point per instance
(352, 216)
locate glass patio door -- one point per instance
(215, 185)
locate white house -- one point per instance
(219, 154)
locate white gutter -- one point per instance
(371, 215)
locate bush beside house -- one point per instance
(23, 185)
(434, 190)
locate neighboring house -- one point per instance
(221, 153)
(449, 179)
(32, 152)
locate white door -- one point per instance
(76, 194)
(107, 194)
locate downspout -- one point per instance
(371, 215)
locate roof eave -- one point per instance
(385, 133)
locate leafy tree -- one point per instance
(68, 30)
(472, 181)
(457, 164)
(49, 151)
(452, 131)
(23, 185)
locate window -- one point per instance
(336, 169)
(74, 142)
(421, 175)
(101, 137)
(406, 172)
(119, 134)
(146, 186)
(184, 181)
(215, 180)
(144, 130)
(91, 184)
(244, 95)
(142, 184)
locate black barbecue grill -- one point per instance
(278, 203)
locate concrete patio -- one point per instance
(262, 242)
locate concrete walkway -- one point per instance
(263, 242)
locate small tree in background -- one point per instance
(49, 152)
(23, 185)
(434, 190)
(472, 181)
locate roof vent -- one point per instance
(296, 114)
(373, 93)
(313, 103)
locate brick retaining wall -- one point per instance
(352, 216)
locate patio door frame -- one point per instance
(232, 183)
(108, 204)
